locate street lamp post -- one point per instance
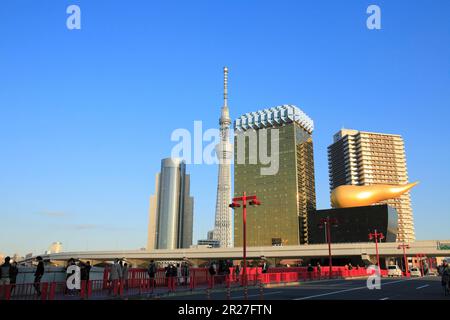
(253, 201)
(404, 246)
(378, 236)
(327, 223)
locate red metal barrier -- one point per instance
(198, 279)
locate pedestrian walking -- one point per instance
(40, 270)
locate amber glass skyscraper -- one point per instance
(286, 196)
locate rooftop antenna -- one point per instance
(225, 86)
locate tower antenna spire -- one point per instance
(225, 86)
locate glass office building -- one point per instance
(286, 196)
(171, 208)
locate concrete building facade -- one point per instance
(367, 158)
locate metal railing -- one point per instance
(199, 280)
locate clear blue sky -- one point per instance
(86, 115)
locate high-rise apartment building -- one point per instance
(171, 208)
(288, 195)
(223, 216)
(367, 158)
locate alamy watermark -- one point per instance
(374, 279)
(261, 145)
(73, 281)
(373, 22)
(74, 20)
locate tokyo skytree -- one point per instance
(223, 225)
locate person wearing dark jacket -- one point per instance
(151, 270)
(4, 272)
(85, 269)
(38, 275)
(310, 270)
(212, 270)
(237, 272)
(445, 274)
(265, 267)
(13, 272)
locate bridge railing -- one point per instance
(197, 280)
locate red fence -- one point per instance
(138, 283)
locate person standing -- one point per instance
(185, 273)
(13, 272)
(40, 270)
(319, 270)
(179, 274)
(172, 277)
(121, 270)
(237, 272)
(151, 273)
(114, 275)
(265, 267)
(4, 272)
(85, 269)
(212, 269)
(445, 273)
(88, 268)
(125, 276)
(310, 270)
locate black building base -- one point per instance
(354, 224)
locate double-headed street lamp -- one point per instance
(378, 236)
(327, 223)
(252, 201)
(404, 246)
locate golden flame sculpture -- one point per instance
(356, 196)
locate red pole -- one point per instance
(376, 247)
(330, 263)
(406, 260)
(244, 217)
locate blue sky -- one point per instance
(86, 115)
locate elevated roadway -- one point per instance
(430, 248)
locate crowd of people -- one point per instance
(118, 274)
(8, 273)
(179, 272)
